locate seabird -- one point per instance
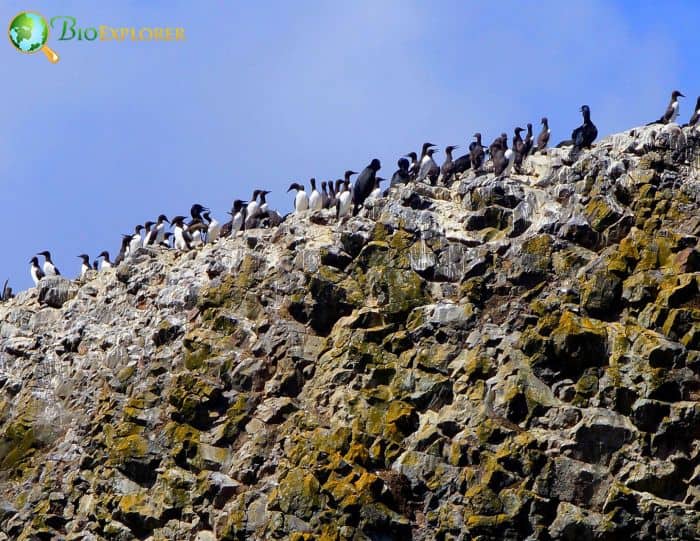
(160, 228)
(136, 241)
(376, 193)
(95, 265)
(147, 232)
(85, 267)
(197, 220)
(428, 168)
(315, 199)
(301, 200)
(672, 110)
(35, 270)
(529, 141)
(447, 167)
(344, 200)
(585, 134)
(183, 238)
(106, 263)
(123, 249)
(325, 198)
(238, 216)
(252, 210)
(214, 228)
(695, 116)
(401, 175)
(414, 166)
(476, 152)
(518, 151)
(331, 194)
(49, 268)
(543, 137)
(166, 240)
(364, 185)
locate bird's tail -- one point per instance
(566, 143)
(660, 121)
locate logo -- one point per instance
(29, 33)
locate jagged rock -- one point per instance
(511, 358)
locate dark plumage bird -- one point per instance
(696, 114)
(106, 263)
(364, 185)
(413, 166)
(447, 167)
(476, 152)
(543, 137)
(123, 249)
(401, 175)
(500, 161)
(325, 198)
(331, 193)
(583, 136)
(518, 148)
(671, 112)
(529, 140)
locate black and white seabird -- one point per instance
(364, 185)
(166, 243)
(95, 265)
(413, 166)
(344, 200)
(147, 231)
(136, 241)
(447, 167)
(429, 170)
(213, 229)
(672, 110)
(106, 263)
(301, 200)
(401, 175)
(160, 228)
(239, 215)
(315, 199)
(85, 266)
(695, 116)
(252, 210)
(376, 193)
(123, 249)
(183, 239)
(49, 268)
(197, 225)
(583, 136)
(543, 137)
(35, 271)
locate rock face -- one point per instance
(505, 359)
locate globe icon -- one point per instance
(29, 33)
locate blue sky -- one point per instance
(264, 93)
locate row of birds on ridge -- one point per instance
(340, 195)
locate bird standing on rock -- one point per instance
(543, 137)
(476, 152)
(213, 229)
(315, 199)
(413, 166)
(428, 168)
(35, 271)
(85, 266)
(695, 116)
(583, 136)
(301, 200)
(364, 185)
(344, 200)
(106, 263)
(447, 167)
(183, 239)
(671, 112)
(401, 176)
(529, 141)
(49, 268)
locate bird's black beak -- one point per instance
(681, 95)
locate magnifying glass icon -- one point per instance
(29, 32)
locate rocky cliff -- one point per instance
(509, 358)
